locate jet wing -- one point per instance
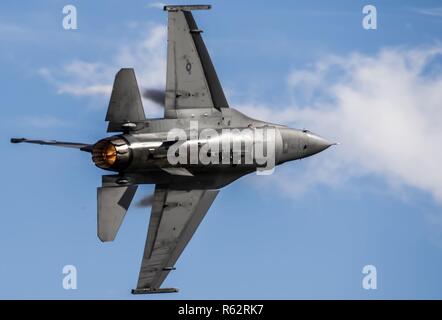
(174, 218)
(192, 85)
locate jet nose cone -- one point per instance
(315, 144)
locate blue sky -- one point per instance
(306, 231)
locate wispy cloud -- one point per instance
(81, 78)
(11, 29)
(437, 12)
(386, 110)
(92, 78)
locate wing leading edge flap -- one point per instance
(175, 216)
(216, 90)
(112, 205)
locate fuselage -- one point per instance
(230, 146)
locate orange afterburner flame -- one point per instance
(110, 154)
(104, 154)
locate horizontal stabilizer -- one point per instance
(125, 103)
(112, 203)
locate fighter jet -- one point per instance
(200, 146)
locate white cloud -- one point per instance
(90, 78)
(386, 110)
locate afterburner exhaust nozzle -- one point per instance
(111, 153)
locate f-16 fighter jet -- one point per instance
(200, 146)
